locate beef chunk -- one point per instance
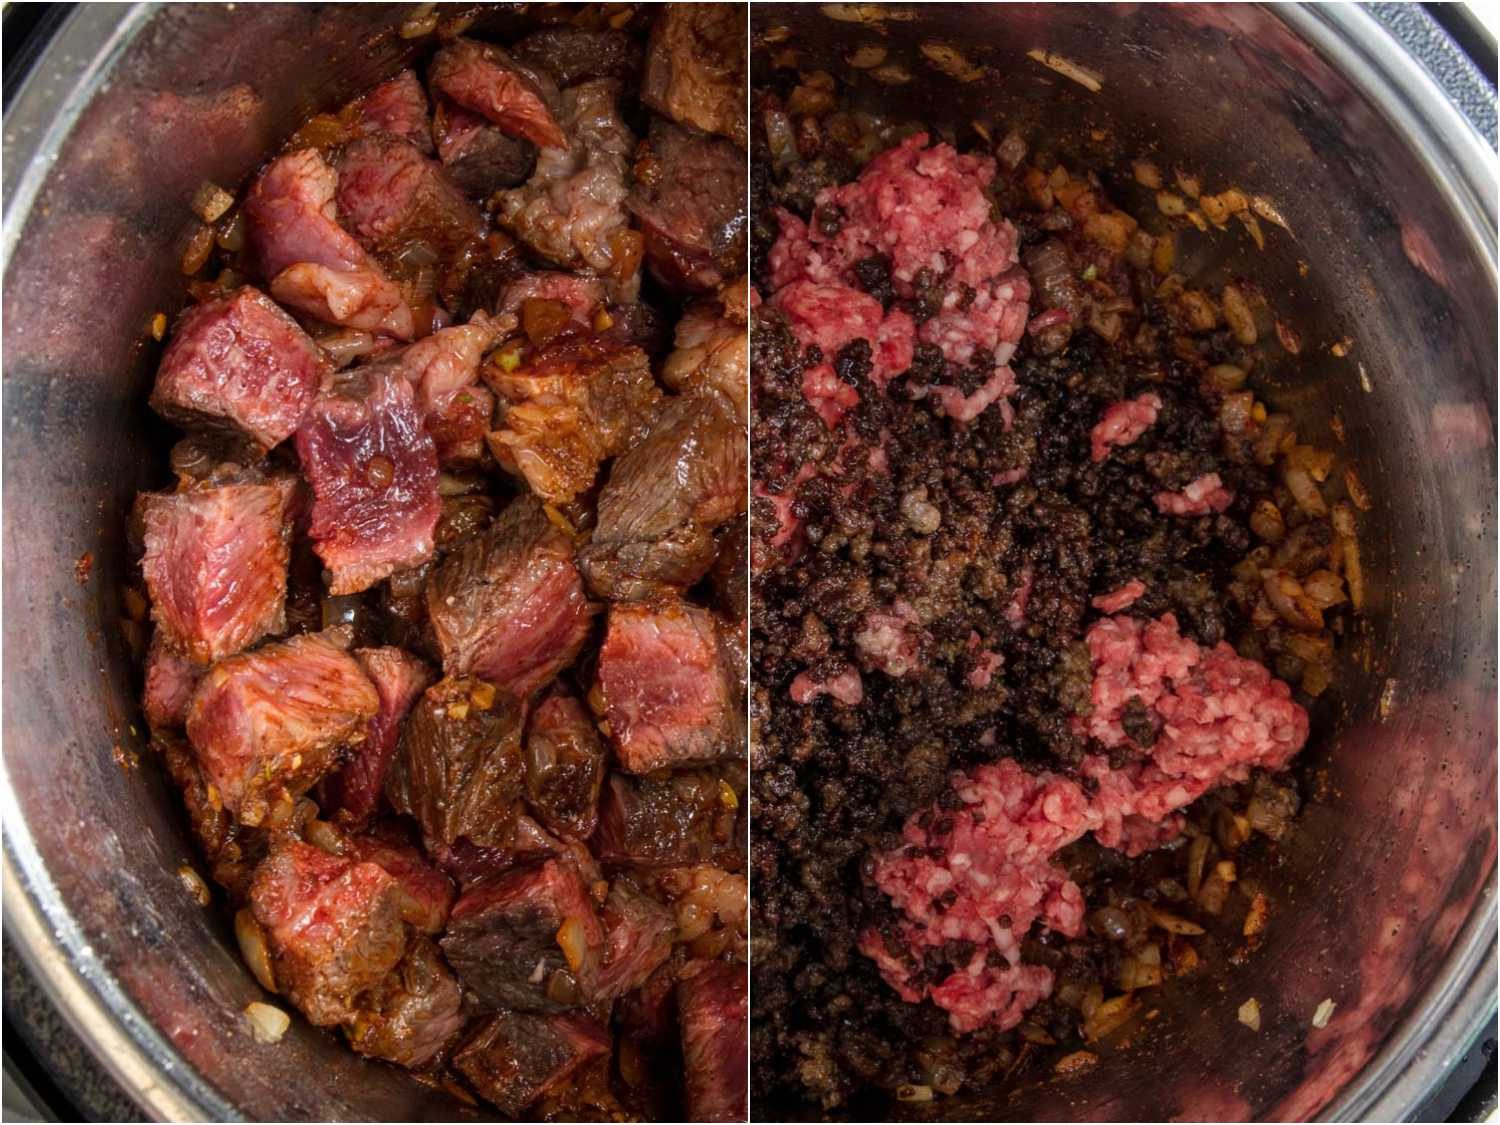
(648, 1016)
(353, 793)
(483, 78)
(572, 210)
(480, 158)
(443, 368)
(233, 850)
(411, 1014)
(215, 566)
(460, 769)
(312, 263)
(374, 474)
(575, 54)
(397, 107)
(689, 197)
(170, 680)
(572, 406)
(579, 295)
(400, 203)
(665, 498)
(639, 932)
(712, 349)
(508, 605)
(695, 68)
(669, 820)
(513, 1059)
(239, 364)
(427, 894)
(333, 926)
(529, 939)
(266, 725)
(731, 573)
(667, 686)
(712, 1006)
(564, 766)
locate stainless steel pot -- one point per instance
(1391, 200)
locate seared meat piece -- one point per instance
(574, 405)
(665, 498)
(233, 851)
(669, 820)
(479, 158)
(373, 471)
(353, 793)
(239, 364)
(513, 1059)
(689, 197)
(572, 209)
(266, 725)
(564, 765)
(508, 605)
(667, 686)
(483, 78)
(648, 1016)
(170, 680)
(695, 68)
(412, 1014)
(312, 263)
(579, 294)
(712, 348)
(639, 932)
(529, 939)
(215, 566)
(460, 770)
(397, 107)
(333, 926)
(575, 54)
(730, 576)
(427, 894)
(400, 203)
(444, 370)
(712, 1006)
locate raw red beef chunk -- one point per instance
(266, 725)
(312, 263)
(333, 926)
(353, 793)
(573, 405)
(572, 210)
(460, 770)
(695, 68)
(427, 894)
(689, 198)
(397, 107)
(412, 1014)
(508, 606)
(673, 819)
(639, 932)
(713, 1008)
(529, 940)
(665, 499)
(478, 157)
(397, 202)
(712, 349)
(233, 851)
(514, 1059)
(241, 364)
(667, 686)
(374, 476)
(575, 54)
(215, 566)
(564, 766)
(170, 680)
(483, 78)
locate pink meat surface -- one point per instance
(443, 369)
(483, 78)
(831, 316)
(428, 892)
(992, 323)
(829, 395)
(393, 198)
(1120, 598)
(1015, 609)
(965, 408)
(846, 687)
(170, 680)
(987, 878)
(374, 475)
(1205, 495)
(240, 363)
(398, 107)
(353, 793)
(713, 1001)
(1122, 423)
(580, 293)
(215, 566)
(886, 640)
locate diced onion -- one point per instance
(1250, 1014)
(268, 1023)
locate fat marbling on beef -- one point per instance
(689, 197)
(353, 793)
(564, 765)
(712, 1006)
(514, 1059)
(695, 68)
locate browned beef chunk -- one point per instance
(513, 1059)
(639, 932)
(170, 680)
(312, 263)
(731, 573)
(639, 324)
(460, 769)
(712, 1007)
(573, 405)
(648, 1016)
(508, 605)
(483, 78)
(374, 475)
(689, 197)
(242, 365)
(412, 1014)
(564, 765)
(233, 851)
(479, 158)
(712, 348)
(353, 793)
(529, 939)
(266, 725)
(668, 688)
(215, 565)
(695, 68)
(575, 54)
(666, 497)
(669, 820)
(333, 926)
(426, 893)
(397, 107)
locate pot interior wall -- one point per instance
(1382, 874)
